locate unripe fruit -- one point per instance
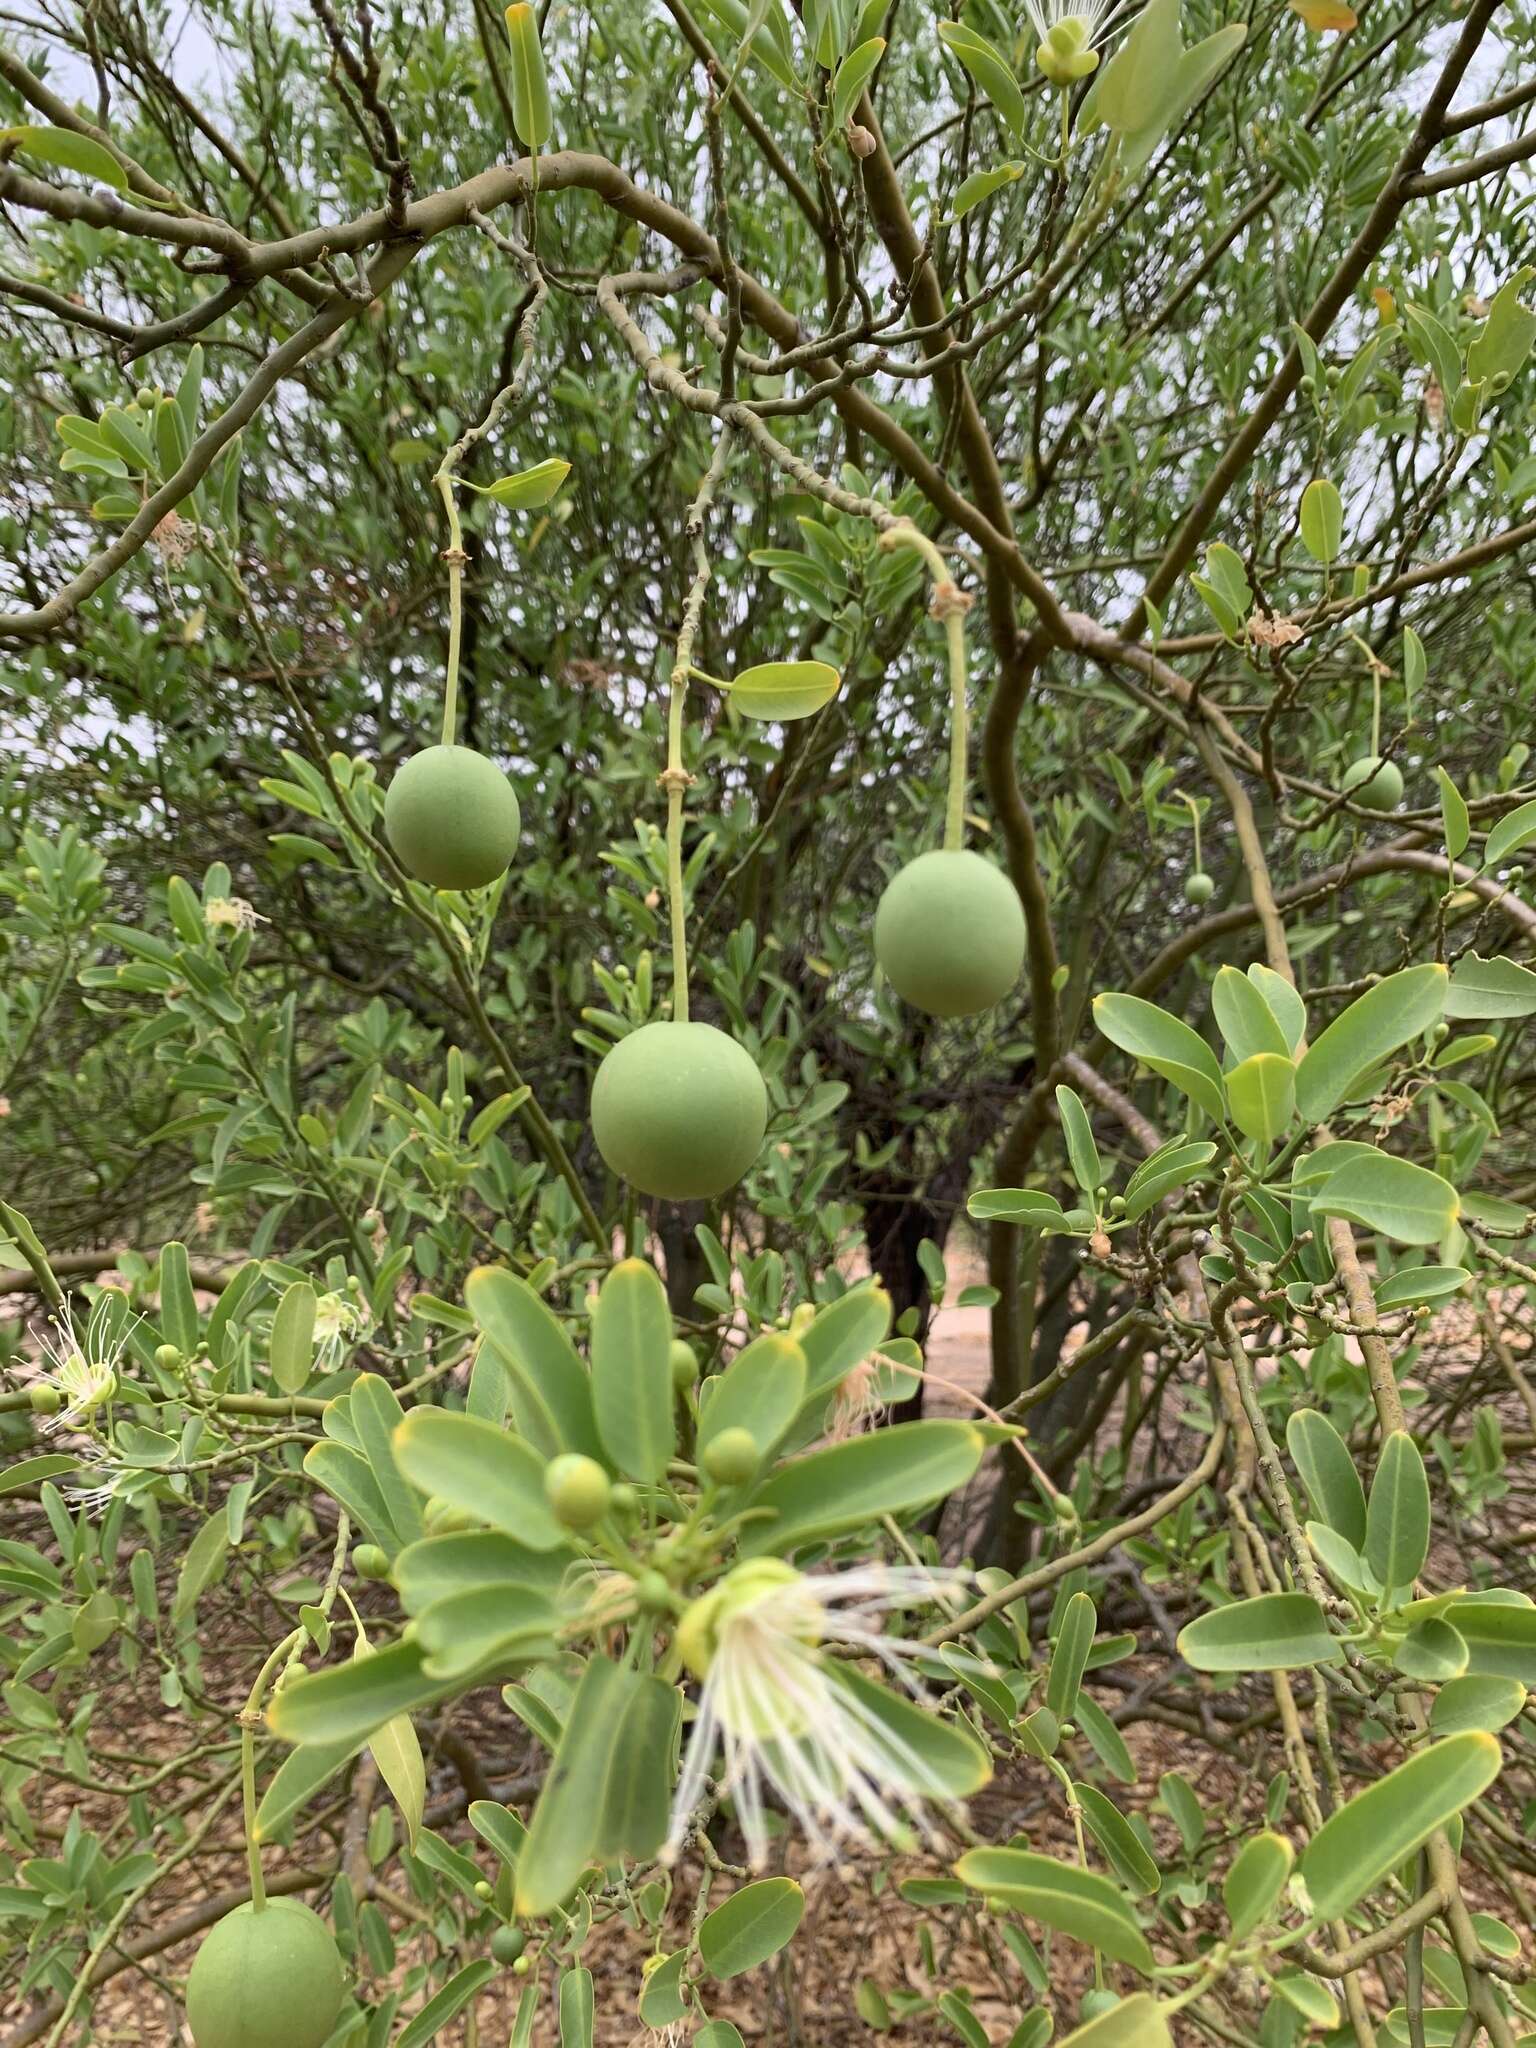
(45, 1400)
(369, 1562)
(507, 1944)
(441, 1518)
(685, 1367)
(452, 818)
(949, 933)
(1375, 785)
(577, 1490)
(483, 1888)
(167, 1357)
(679, 1110)
(731, 1458)
(652, 1594)
(1096, 2002)
(267, 1978)
(1198, 888)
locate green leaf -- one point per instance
(1328, 1472)
(1251, 1889)
(1152, 81)
(527, 488)
(632, 1370)
(1105, 1739)
(474, 1466)
(296, 1780)
(1457, 824)
(853, 74)
(178, 1304)
(785, 690)
(1398, 1515)
(1401, 1200)
(1024, 1206)
(761, 1391)
(1416, 1284)
(1376, 1830)
(1120, 1842)
(990, 69)
(551, 1389)
(376, 1415)
(752, 1925)
(1516, 829)
(981, 185)
(1082, 1152)
(1490, 988)
(482, 1625)
(1135, 2022)
(347, 1702)
(1060, 1896)
(1273, 1632)
(575, 2003)
(850, 1484)
(1164, 1043)
(1476, 1702)
(1500, 1638)
(71, 152)
(1497, 352)
(599, 1801)
(532, 116)
(1261, 1093)
(447, 2003)
(397, 1753)
(293, 1337)
(1397, 1009)
(1244, 1017)
(202, 1563)
(1069, 1658)
(1284, 1001)
(1322, 520)
(1431, 1650)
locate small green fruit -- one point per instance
(679, 1110)
(167, 1357)
(1198, 888)
(1375, 785)
(577, 1489)
(483, 1889)
(624, 1501)
(369, 1562)
(452, 818)
(441, 1518)
(45, 1400)
(731, 1458)
(265, 1978)
(949, 933)
(1096, 2002)
(652, 1593)
(507, 1944)
(685, 1366)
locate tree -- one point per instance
(774, 451)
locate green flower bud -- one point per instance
(685, 1366)
(653, 1593)
(624, 1501)
(731, 1458)
(45, 1400)
(442, 1518)
(577, 1489)
(167, 1357)
(369, 1562)
(482, 1890)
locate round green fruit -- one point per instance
(577, 1489)
(1375, 785)
(679, 1110)
(267, 1977)
(45, 1400)
(949, 933)
(1096, 2003)
(441, 1518)
(369, 1562)
(731, 1458)
(507, 1944)
(452, 818)
(685, 1366)
(1198, 888)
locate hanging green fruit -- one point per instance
(949, 933)
(679, 1110)
(1375, 785)
(266, 1976)
(452, 818)
(1198, 887)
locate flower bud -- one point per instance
(577, 1489)
(369, 1561)
(731, 1458)
(860, 140)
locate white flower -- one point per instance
(106, 1475)
(338, 1323)
(1068, 32)
(233, 913)
(82, 1370)
(789, 1717)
